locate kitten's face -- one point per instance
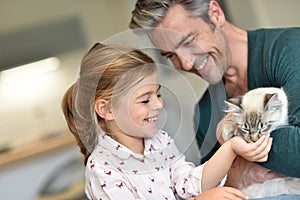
(257, 113)
(253, 125)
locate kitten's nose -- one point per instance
(254, 136)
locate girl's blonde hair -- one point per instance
(106, 71)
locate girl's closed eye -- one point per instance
(145, 101)
(168, 55)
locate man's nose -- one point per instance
(186, 61)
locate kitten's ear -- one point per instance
(272, 102)
(233, 105)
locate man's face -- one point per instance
(192, 44)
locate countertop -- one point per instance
(44, 146)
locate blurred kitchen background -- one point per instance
(38, 156)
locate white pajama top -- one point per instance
(115, 172)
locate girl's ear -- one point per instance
(103, 109)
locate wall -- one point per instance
(252, 14)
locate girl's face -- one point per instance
(136, 113)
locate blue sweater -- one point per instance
(273, 60)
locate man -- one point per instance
(196, 37)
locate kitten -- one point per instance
(252, 115)
(258, 112)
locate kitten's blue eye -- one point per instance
(246, 126)
(260, 125)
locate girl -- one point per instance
(112, 110)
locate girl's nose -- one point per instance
(158, 104)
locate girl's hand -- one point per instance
(254, 152)
(221, 193)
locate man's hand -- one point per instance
(221, 193)
(244, 173)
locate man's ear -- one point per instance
(103, 109)
(216, 13)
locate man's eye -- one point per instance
(189, 41)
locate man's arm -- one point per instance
(284, 71)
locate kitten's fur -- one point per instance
(256, 113)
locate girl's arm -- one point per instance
(218, 165)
